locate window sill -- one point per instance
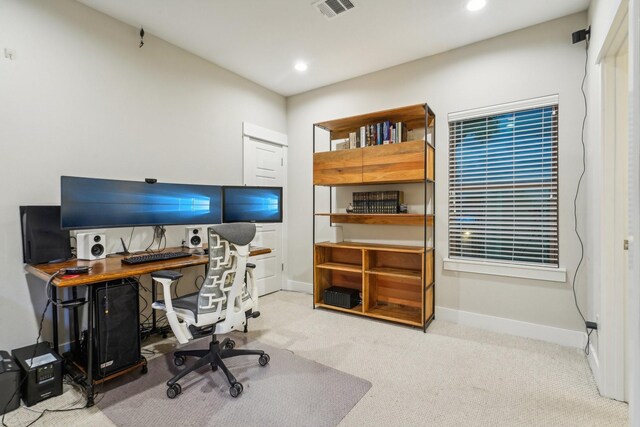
(546, 274)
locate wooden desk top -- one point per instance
(111, 267)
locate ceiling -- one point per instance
(262, 39)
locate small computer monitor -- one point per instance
(251, 204)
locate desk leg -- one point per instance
(90, 315)
(54, 316)
(75, 349)
(153, 299)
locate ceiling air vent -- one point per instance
(332, 8)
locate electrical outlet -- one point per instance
(10, 54)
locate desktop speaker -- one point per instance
(42, 238)
(193, 237)
(91, 246)
(117, 330)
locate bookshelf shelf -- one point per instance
(355, 310)
(396, 272)
(412, 115)
(397, 146)
(381, 219)
(340, 266)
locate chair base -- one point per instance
(214, 357)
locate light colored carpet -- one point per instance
(451, 376)
(289, 391)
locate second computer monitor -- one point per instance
(251, 204)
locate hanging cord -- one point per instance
(575, 200)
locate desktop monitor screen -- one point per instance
(252, 204)
(103, 203)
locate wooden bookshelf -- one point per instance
(395, 282)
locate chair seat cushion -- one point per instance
(187, 302)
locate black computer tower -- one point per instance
(42, 238)
(117, 327)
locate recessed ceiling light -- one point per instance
(300, 66)
(474, 5)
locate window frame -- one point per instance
(496, 266)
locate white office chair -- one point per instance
(227, 298)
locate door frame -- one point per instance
(633, 307)
(259, 133)
(611, 335)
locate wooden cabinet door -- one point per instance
(393, 162)
(337, 167)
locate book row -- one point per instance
(375, 134)
(381, 202)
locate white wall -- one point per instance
(533, 62)
(82, 99)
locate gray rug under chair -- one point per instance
(289, 391)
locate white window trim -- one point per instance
(509, 107)
(547, 274)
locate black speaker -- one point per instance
(42, 238)
(117, 329)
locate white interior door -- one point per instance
(610, 360)
(265, 165)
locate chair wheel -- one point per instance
(144, 369)
(264, 359)
(230, 344)
(179, 360)
(235, 390)
(173, 391)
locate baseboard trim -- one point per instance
(295, 286)
(565, 337)
(594, 364)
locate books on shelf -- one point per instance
(377, 202)
(381, 133)
(352, 140)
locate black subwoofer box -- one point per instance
(341, 297)
(117, 328)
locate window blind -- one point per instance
(503, 187)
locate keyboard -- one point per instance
(160, 256)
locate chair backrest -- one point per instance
(224, 285)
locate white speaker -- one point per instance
(91, 246)
(193, 237)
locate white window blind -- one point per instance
(503, 186)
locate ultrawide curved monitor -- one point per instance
(105, 203)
